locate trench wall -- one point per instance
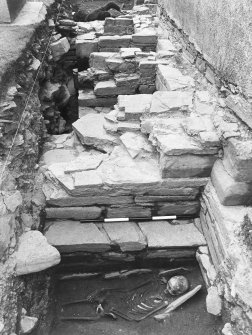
(221, 30)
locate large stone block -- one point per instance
(171, 79)
(73, 213)
(114, 41)
(97, 60)
(85, 47)
(178, 208)
(71, 236)
(238, 159)
(34, 254)
(186, 166)
(162, 234)
(118, 26)
(109, 88)
(128, 211)
(87, 98)
(125, 234)
(229, 191)
(91, 132)
(59, 48)
(171, 102)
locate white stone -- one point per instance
(27, 324)
(213, 301)
(91, 132)
(136, 144)
(165, 45)
(168, 102)
(172, 79)
(34, 254)
(1, 326)
(227, 329)
(84, 162)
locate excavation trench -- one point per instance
(131, 130)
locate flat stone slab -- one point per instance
(73, 213)
(136, 143)
(125, 234)
(162, 234)
(165, 45)
(87, 98)
(146, 36)
(109, 88)
(167, 102)
(134, 106)
(114, 41)
(91, 132)
(97, 60)
(172, 79)
(71, 236)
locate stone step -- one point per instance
(87, 98)
(134, 106)
(171, 79)
(115, 42)
(91, 132)
(72, 236)
(109, 88)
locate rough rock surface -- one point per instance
(34, 254)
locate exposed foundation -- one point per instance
(126, 119)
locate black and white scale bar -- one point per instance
(141, 219)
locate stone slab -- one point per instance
(178, 208)
(73, 213)
(136, 144)
(109, 88)
(186, 166)
(165, 45)
(34, 254)
(162, 234)
(90, 131)
(114, 41)
(128, 211)
(167, 102)
(238, 159)
(125, 234)
(84, 48)
(97, 60)
(134, 106)
(87, 98)
(71, 236)
(172, 79)
(229, 191)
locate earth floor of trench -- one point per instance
(189, 319)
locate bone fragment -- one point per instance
(178, 302)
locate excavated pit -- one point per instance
(123, 295)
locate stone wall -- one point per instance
(220, 30)
(20, 201)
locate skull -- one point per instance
(177, 285)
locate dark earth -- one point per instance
(189, 319)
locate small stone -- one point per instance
(27, 324)
(1, 326)
(227, 329)
(213, 301)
